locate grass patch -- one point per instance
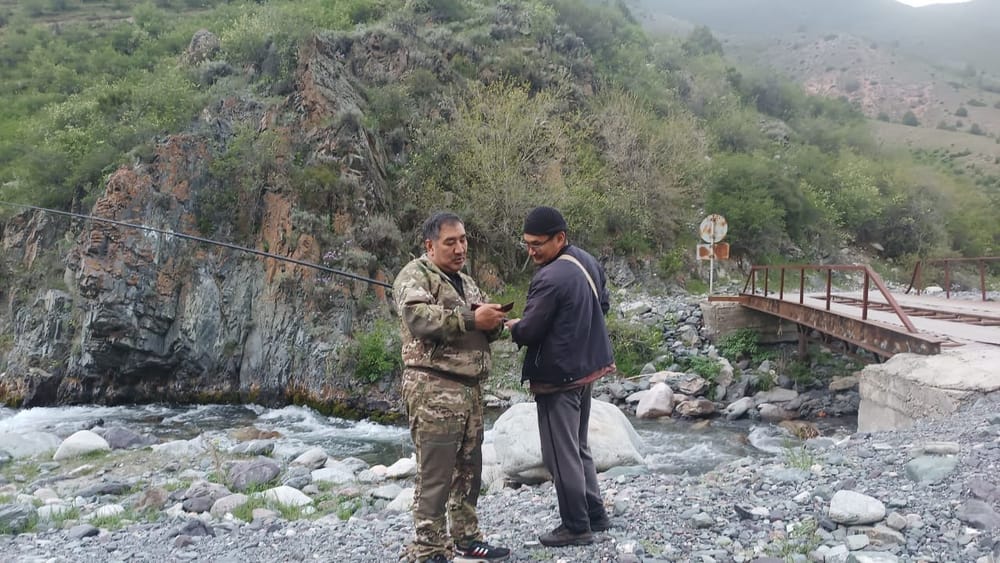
(30, 526)
(799, 458)
(801, 540)
(115, 521)
(176, 485)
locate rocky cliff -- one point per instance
(96, 312)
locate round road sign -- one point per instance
(713, 228)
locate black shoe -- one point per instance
(563, 536)
(480, 552)
(438, 558)
(602, 524)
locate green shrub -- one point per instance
(961, 112)
(708, 368)
(377, 352)
(741, 343)
(633, 345)
(909, 118)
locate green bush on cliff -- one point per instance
(376, 353)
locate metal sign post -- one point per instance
(713, 229)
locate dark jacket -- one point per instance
(563, 323)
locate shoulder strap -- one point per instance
(590, 280)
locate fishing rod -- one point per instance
(170, 233)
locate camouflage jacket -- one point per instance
(438, 325)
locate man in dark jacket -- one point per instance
(568, 349)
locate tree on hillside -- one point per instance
(702, 42)
(909, 118)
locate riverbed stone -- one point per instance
(121, 438)
(287, 496)
(247, 474)
(852, 508)
(228, 504)
(81, 443)
(403, 468)
(930, 469)
(978, 514)
(658, 401)
(613, 441)
(313, 458)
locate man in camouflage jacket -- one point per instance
(446, 330)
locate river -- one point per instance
(672, 446)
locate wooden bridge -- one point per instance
(870, 317)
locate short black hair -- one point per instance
(432, 226)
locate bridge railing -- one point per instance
(918, 271)
(870, 278)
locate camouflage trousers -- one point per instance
(446, 424)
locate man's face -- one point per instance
(544, 248)
(449, 251)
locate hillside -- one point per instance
(931, 60)
(327, 132)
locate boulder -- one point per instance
(613, 441)
(853, 508)
(79, 444)
(247, 474)
(656, 402)
(313, 458)
(696, 407)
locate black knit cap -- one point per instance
(544, 221)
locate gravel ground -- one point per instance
(929, 495)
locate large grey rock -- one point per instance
(15, 517)
(656, 402)
(852, 508)
(253, 447)
(28, 444)
(403, 502)
(612, 440)
(228, 504)
(696, 407)
(738, 408)
(287, 496)
(403, 468)
(248, 474)
(776, 395)
(978, 514)
(113, 487)
(121, 438)
(930, 468)
(182, 448)
(81, 531)
(79, 444)
(313, 458)
(335, 475)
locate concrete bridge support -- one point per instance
(912, 386)
(723, 317)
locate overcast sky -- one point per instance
(926, 2)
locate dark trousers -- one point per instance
(563, 420)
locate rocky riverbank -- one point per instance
(927, 493)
